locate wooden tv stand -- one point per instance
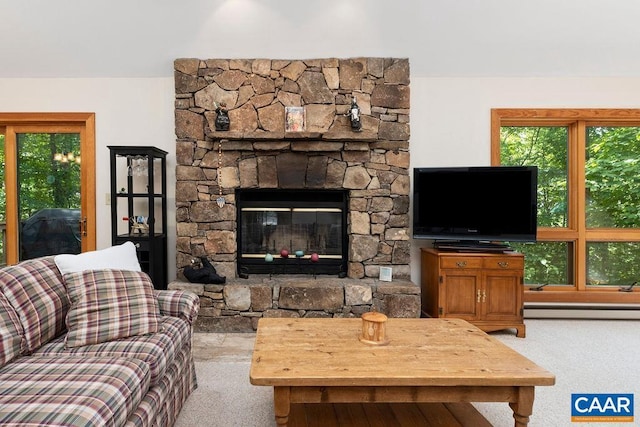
(484, 288)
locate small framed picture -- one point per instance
(386, 274)
(294, 119)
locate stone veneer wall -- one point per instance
(257, 153)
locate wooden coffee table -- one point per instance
(426, 360)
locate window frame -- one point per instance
(576, 121)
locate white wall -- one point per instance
(450, 119)
(462, 38)
(128, 112)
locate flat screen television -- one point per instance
(474, 205)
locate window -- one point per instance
(588, 247)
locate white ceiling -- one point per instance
(491, 38)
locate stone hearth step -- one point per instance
(237, 305)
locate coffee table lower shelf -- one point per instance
(385, 414)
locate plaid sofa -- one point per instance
(141, 380)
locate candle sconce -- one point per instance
(354, 115)
(222, 117)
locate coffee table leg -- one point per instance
(281, 404)
(523, 407)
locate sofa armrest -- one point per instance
(178, 303)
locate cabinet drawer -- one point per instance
(504, 263)
(461, 262)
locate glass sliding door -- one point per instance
(47, 202)
(49, 194)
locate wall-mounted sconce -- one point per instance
(354, 115)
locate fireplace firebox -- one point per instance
(292, 231)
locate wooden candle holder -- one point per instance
(374, 327)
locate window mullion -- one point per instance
(11, 195)
(577, 157)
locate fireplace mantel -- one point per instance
(292, 136)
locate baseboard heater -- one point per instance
(581, 311)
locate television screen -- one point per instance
(475, 203)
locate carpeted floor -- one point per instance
(225, 398)
(587, 356)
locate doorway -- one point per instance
(47, 205)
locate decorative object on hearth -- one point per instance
(220, 200)
(268, 258)
(314, 257)
(284, 253)
(299, 254)
(386, 274)
(222, 117)
(354, 115)
(294, 119)
(205, 274)
(374, 326)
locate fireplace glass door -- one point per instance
(292, 232)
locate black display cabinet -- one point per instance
(139, 206)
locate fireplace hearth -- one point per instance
(292, 231)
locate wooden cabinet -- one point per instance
(485, 289)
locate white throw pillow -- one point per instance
(121, 257)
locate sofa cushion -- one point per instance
(162, 404)
(35, 290)
(71, 391)
(108, 305)
(119, 257)
(10, 332)
(157, 350)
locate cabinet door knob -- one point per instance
(503, 264)
(478, 295)
(461, 264)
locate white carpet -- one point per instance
(225, 397)
(587, 356)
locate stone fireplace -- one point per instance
(219, 170)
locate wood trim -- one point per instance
(11, 181)
(39, 118)
(496, 124)
(560, 234)
(567, 114)
(578, 201)
(612, 235)
(600, 296)
(88, 177)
